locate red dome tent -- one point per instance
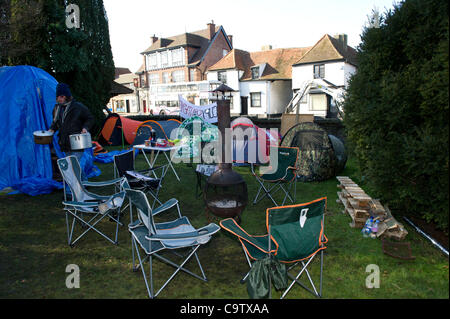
(118, 130)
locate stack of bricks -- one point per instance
(360, 206)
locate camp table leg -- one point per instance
(171, 166)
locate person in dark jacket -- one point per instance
(70, 117)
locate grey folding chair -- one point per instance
(154, 238)
(86, 207)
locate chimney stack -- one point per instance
(342, 38)
(230, 39)
(153, 39)
(212, 29)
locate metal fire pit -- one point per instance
(225, 191)
(225, 194)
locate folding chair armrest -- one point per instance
(150, 169)
(208, 230)
(167, 205)
(231, 226)
(82, 204)
(103, 183)
(103, 199)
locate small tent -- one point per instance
(27, 98)
(163, 130)
(321, 157)
(118, 130)
(194, 133)
(251, 144)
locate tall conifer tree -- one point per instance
(34, 32)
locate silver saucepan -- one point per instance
(80, 141)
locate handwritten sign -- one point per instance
(206, 112)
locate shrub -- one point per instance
(396, 110)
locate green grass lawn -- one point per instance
(34, 253)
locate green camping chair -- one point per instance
(284, 175)
(154, 238)
(86, 207)
(295, 235)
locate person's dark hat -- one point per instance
(63, 89)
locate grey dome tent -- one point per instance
(321, 156)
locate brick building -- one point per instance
(177, 65)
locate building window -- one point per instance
(255, 72)
(154, 78)
(224, 52)
(318, 102)
(164, 59)
(222, 76)
(165, 77)
(255, 99)
(191, 74)
(319, 71)
(177, 57)
(152, 61)
(143, 81)
(178, 76)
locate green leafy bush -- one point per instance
(396, 110)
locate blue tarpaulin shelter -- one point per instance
(27, 98)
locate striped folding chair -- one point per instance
(87, 208)
(152, 239)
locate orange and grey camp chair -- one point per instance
(284, 173)
(295, 235)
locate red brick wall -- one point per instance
(215, 53)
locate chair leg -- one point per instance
(179, 267)
(89, 227)
(149, 282)
(321, 272)
(266, 193)
(297, 277)
(248, 262)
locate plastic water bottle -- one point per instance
(367, 227)
(375, 226)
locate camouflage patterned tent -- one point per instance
(321, 157)
(194, 132)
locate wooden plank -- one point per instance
(359, 213)
(354, 189)
(343, 178)
(358, 204)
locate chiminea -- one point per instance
(225, 192)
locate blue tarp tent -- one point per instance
(27, 98)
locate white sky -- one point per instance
(252, 23)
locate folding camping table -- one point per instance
(158, 149)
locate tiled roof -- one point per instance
(117, 89)
(196, 39)
(125, 78)
(328, 48)
(118, 71)
(278, 62)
